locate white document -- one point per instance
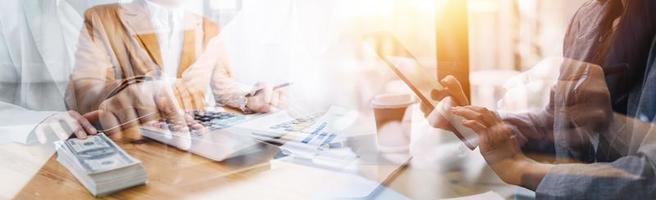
(282, 123)
(490, 195)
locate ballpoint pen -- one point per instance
(256, 92)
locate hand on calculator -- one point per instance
(186, 125)
(198, 122)
(179, 131)
(181, 134)
(138, 104)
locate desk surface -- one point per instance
(177, 174)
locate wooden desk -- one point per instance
(175, 174)
(172, 173)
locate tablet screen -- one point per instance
(421, 79)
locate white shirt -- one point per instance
(37, 47)
(168, 23)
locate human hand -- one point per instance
(187, 125)
(267, 99)
(140, 103)
(62, 125)
(451, 88)
(497, 141)
(499, 147)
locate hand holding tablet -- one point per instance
(435, 97)
(465, 134)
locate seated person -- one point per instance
(151, 59)
(585, 110)
(600, 113)
(35, 61)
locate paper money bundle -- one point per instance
(100, 165)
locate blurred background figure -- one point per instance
(37, 46)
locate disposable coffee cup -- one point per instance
(393, 121)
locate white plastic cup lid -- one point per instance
(397, 100)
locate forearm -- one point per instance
(521, 171)
(227, 92)
(628, 133)
(533, 173)
(86, 95)
(94, 74)
(630, 177)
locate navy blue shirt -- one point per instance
(618, 37)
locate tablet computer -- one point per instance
(422, 81)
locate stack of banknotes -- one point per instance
(100, 165)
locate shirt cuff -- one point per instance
(20, 129)
(560, 182)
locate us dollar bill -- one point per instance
(98, 154)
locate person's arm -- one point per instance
(630, 177)
(96, 85)
(93, 76)
(212, 69)
(533, 130)
(227, 91)
(500, 149)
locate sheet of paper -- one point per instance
(491, 195)
(280, 123)
(16, 133)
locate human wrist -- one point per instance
(525, 172)
(514, 170)
(510, 170)
(534, 174)
(243, 104)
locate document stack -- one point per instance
(316, 137)
(100, 165)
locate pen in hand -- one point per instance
(256, 92)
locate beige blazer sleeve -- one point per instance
(212, 69)
(93, 75)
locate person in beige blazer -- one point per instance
(122, 69)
